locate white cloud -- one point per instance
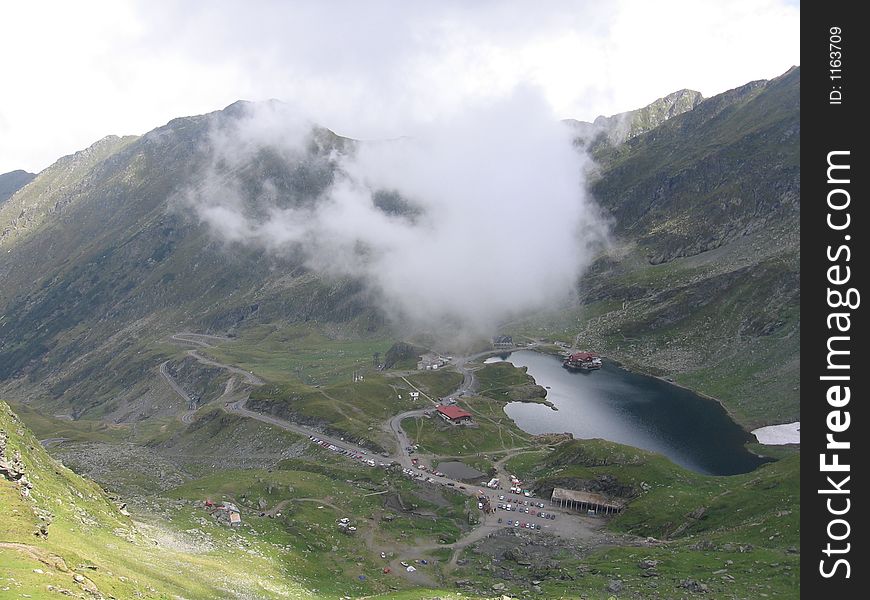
(74, 72)
(498, 191)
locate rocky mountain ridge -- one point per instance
(621, 127)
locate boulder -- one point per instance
(694, 586)
(698, 513)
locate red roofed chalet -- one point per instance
(454, 414)
(582, 360)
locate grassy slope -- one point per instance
(83, 430)
(285, 353)
(751, 520)
(87, 535)
(355, 410)
(494, 431)
(503, 381)
(436, 384)
(309, 375)
(176, 550)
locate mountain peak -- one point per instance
(12, 182)
(621, 127)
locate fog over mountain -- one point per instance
(470, 220)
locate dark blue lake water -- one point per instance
(636, 410)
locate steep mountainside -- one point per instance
(725, 170)
(61, 535)
(12, 182)
(101, 260)
(704, 280)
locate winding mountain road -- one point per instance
(248, 375)
(187, 416)
(572, 526)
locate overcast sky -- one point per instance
(74, 72)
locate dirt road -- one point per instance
(187, 416)
(568, 524)
(248, 375)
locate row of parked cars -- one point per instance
(520, 501)
(415, 475)
(529, 511)
(423, 467)
(423, 477)
(344, 451)
(512, 523)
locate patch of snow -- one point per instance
(777, 435)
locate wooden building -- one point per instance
(585, 501)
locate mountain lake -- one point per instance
(637, 410)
